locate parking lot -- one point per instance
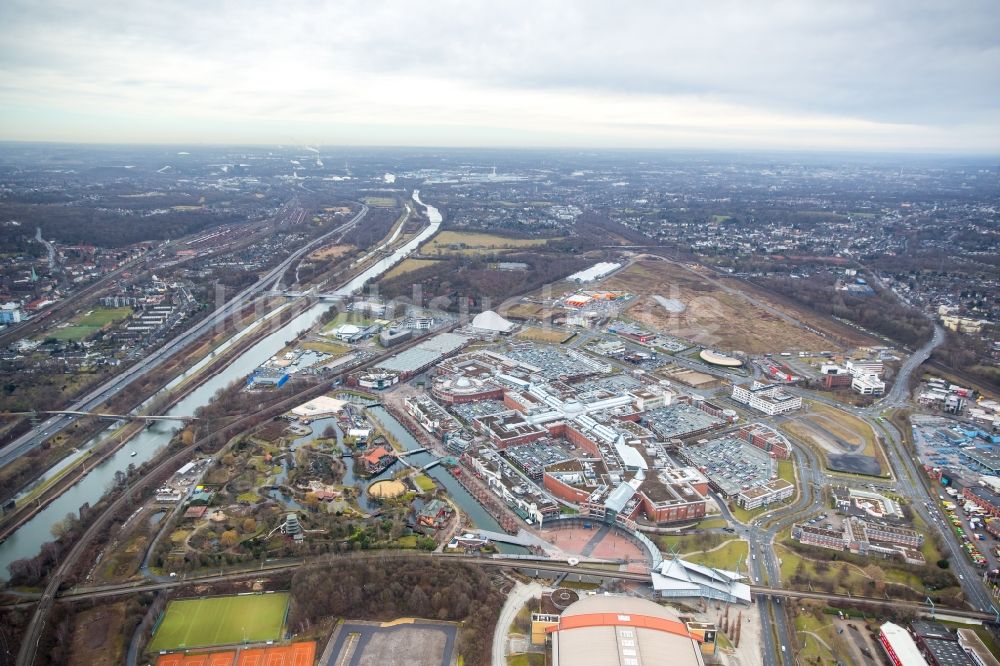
(470, 411)
(730, 463)
(552, 362)
(418, 643)
(678, 420)
(532, 458)
(979, 545)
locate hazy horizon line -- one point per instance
(903, 152)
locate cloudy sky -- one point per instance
(907, 75)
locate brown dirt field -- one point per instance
(97, 636)
(847, 334)
(544, 335)
(330, 252)
(527, 311)
(713, 316)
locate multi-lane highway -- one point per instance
(898, 395)
(113, 386)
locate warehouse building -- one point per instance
(939, 645)
(422, 356)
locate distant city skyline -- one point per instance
(853, 76)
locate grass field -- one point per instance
(690, 542)
(380, 202)
(709, 523)
(813, 651)
(326, 347)
(408, 266)
(725, 557)
(220, 621)
(408, 541)
(472, 242)
(786, 470)
(346, 318)
(424, 482)
(744, 516)
(86, 324)
(544, 335)
(855, 579)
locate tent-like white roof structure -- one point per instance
(679, 578)
(491, 321)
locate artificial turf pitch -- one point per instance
(221, 621)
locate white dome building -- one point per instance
(346, 331)
(490, 321)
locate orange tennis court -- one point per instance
(210, 659)
(296, 654)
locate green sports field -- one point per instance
(84, 325)
(220, 621)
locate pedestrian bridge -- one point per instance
(522, 538)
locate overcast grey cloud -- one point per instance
(854, 75)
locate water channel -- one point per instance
(472, 508)
(28, 539)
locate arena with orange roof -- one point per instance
(616, 630)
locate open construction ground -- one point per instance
(411, 642)
(551, 335)
(328, 252)
(98, 638)
(847, 442)
(722, 314)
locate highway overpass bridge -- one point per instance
(102, 415)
